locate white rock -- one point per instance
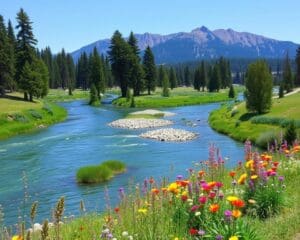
(37, 227)
(169, 134)
(137, 123)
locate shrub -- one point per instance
(100, 173)
(48, 109)
(35, 114)
(267, 138)
(94, 174)
(290, 133)
(19, 117)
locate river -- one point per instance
(50, 157)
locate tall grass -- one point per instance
(100, 173)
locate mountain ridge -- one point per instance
(202, 43)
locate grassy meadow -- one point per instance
(18, 116)
(234, 120)
(181, 96)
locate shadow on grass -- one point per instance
(16, 98)
(247, 116)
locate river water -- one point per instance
(50, 157)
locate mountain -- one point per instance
(202, 43)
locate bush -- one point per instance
(290, 133)
(99, 173)
(35, 114)
(48, 109)
(267, 138)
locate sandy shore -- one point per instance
(169, 134)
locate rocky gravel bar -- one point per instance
(137, 123)
(169, 135)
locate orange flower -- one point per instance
(213, 208)
(232, 173)
(236, 213)
(239, 203)
(154, 191)
(201, 173)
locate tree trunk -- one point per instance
(25, 96)
(30, 97)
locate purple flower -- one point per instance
(219, 237)
(121, 192)
(281, 178)
(179, 177)
(228, 213)
(201, 232)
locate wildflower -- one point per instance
(219, 237)
(201, 232)
(238, 203)
(184, 198)
(176, 238)
(219, 184)
(236, 213)
(233, 238)
(179, 177)
(193, 231)
(242, 179)
(254, 177)
(232, 198)
(173, 188)
(201, 173)
(232, 173)
(251, 201)
(202, 199)
(197, 214)
(142, 210)
(194, 208)
(228, 215)
(117, 210)
(17, 237)
(151, 180)
(125, 234)
(281, 178)
(213, 208)
(249, 164)
(211, 195)
(154, 191)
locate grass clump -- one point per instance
(146, 116)
(100, 173)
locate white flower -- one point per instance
(197, 214)
(124, 234)
(130, 237)
(105, 231)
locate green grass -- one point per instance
(18, 116)
(99, 173)
(181, 96)
(60, 95)
(146, 116)
(237, 123)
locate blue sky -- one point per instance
(74, 23)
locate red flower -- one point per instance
(213, 208)
(211, 195)
(184, 198)
(202, 200)
(232, 173)
(193, 231)
(117, 210)
(238, 203)
(151, 180)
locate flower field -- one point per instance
(207, 202)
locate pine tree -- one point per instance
(231, 93)
(47, 57)
(259, 84)
(297, 82)
(5, 59)
(173, 78)
(287, 74)
(202, 76)
(165, 85)
(12, 85)
(94, 99)
(96, 73)
(197, 77)
(150, 70)
(214, 81)
(187, 76)
(290, 133)
(63, 69)
(25, 50)
(71, 73)
(281, 91)
(119, 56)
(160, 74)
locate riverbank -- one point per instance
(234, 121)
(181, 96)
(18, 116)
(60, 95)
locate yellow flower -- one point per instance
(242, 178)
(249, 164)
(253, 177)
(142, 210)
(232, 198)
(233, 238)
(17, 237)
(173, 188)
(176, 238)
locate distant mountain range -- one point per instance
(202, 43)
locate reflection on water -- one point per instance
(50, 157)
